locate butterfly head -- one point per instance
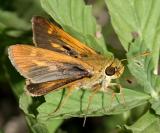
(115, 69)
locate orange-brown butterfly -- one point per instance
(60, 61)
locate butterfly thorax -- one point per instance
(105, 70)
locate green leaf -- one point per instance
(76, 18)
(24, 103)
(35, 126)
(29, 105)
(40, 128)
(156, 106)
(76, 105)
(137, 18)
(45, 127)
(52, 124)
(142, 68)
(49, 126)
(148, 123)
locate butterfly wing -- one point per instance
(44, 88)
(47, 35)
(42, 65)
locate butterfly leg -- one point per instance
(114, 93)
(65, 99)
(96, 88)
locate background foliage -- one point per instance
(125, 28)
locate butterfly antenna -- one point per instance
(146, 53)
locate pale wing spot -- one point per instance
(50, 31)
(53, 68)
(39, 63)
(55, 45)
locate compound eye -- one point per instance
(110, 71)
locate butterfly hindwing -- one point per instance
(38, 89)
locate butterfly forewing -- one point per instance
(47, 35)
(41, 65)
